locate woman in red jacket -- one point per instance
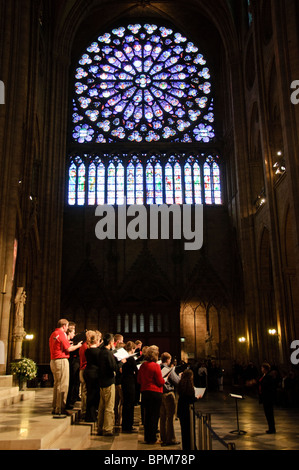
(151, 387)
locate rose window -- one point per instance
(142, 83)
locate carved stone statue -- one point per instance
(18, 330)
(20, 301)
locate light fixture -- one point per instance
(29, 337)
(183, 339)
(272, 331)
(260, 200)
(242, 339)
(279, 166)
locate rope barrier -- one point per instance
(205, 432)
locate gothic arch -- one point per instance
(275, 127)
(76, 13)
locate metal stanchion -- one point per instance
(209, 438)
(202, 432)
(192, 427)
(199, 434)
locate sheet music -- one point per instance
(165, 371)
(199, 392)
(120, 354)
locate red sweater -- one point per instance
(59, 345)
(150, 377)
(83, 361)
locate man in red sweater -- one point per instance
(60, 347)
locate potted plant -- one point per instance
(24, 369)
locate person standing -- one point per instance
(187, 396)
(168, 405)
(128, 385)
(91, 375)
(267, 396)
(74, 363)
(60, 349)
(151, 387)
(118, 405)
(108, 367)
(83, 364)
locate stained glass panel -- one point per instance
(92, 184)
(120, 184)
(101, 183)
(158, 184)
(169, 183)
(207, 183)
(150, 184)
(217, 183)
(111, 184)
(178, 184)
(197, 184)
(81, 185)
(188, 184)
(130, 184)
(139, 184)
(72, 190)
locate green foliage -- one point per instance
(24, 369)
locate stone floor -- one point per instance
(26, 420)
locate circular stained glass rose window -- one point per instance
(142, 83)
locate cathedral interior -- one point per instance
(151, 102)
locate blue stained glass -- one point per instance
(139, 184)
(72, 185)
(158, 184)
(150, 184)
(189, 181)
(81, 185)
(92, 184)
(178, 184)
(208, 183)
(188, 184)
(111, 184)
(197, 184)
(130, 184)
(169, 183)
(101, 183)
(126, 73)
(120, 184)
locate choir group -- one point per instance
(112, 377)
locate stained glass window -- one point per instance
(142, 83)
(212, 182)
(181, 180)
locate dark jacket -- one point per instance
(266, 389)
(108, 367)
